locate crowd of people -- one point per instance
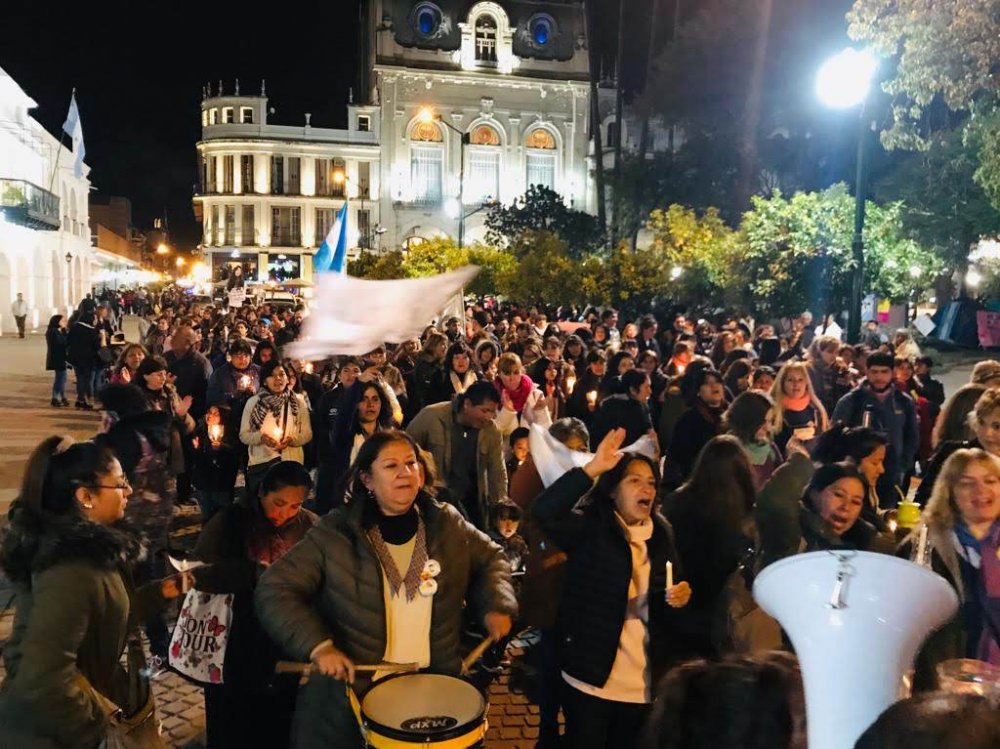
(384, 509)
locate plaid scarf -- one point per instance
(417, 561)
(269, 403)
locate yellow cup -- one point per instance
(907, 514)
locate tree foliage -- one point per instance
(435, 256)
(945, 49)
(539, 211)
(795, 253)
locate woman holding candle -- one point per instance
(960, 540)
(215, 462)
(275, 423)
(617, 614)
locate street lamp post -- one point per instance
(843, 82)
(429, 115)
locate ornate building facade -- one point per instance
(464, 103)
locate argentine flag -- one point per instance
(332, 254)
(74, 130)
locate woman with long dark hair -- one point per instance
(77, 606)
(615, 616)
(360, 587)
(55, 358)
(252, 707)
(712, 516)
(750, 419)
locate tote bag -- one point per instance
(198, 646)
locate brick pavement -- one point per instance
(27, 419)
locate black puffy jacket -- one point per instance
(594, 603)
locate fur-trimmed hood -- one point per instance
(34, 542)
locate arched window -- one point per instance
(426, 131)
(483, 177)
(486, 39)
(484, 135)
(540, 158)
(426, 162)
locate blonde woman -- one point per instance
(981, 429)
(963, 539)
(522, 403)
(797, 410)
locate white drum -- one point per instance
(856, 620)
(425, 710)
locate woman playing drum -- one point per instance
(381, 579)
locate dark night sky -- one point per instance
(139, 67)
(139, 75)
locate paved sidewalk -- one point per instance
(27, 418)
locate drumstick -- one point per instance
(292, 667)
(476, 654)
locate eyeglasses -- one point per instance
(124, 486)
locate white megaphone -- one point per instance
(856, 621)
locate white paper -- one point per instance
(924, 324)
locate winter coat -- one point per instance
(694, 429)
(595, 600)
(432, 430)
(82, 344)
(223, 385)
(70, 630)
(55, 350)
(192, 372)
(943, 452)
(620, 412)
(224, 545)
(298, 431)
(534, 412)
(330, 587)
(786, 525)
(896, 416)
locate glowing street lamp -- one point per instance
(426, 114)
(180, 262)
(973, 278)
(843, 82)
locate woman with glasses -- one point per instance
(77, 606)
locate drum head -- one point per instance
(424, 706)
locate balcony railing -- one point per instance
(29, 205)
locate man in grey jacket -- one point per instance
(467, 449)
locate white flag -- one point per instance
(352, 316)
(74, 129)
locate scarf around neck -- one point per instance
(463, 383)
(982, 554)
(411, 581)
(274, 404)
(518, 397)
(796, 404)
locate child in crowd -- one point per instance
(520, 447)
(503, 530)
(216, 462)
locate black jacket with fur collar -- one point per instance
(70, 629)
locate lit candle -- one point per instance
(309, 367)
(921, 545)
(244, 382)
(893, 525)
(670, 575)
(592, 398)
(215, 432)
(276, 433)
(570, 384)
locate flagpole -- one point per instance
(62, 135)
